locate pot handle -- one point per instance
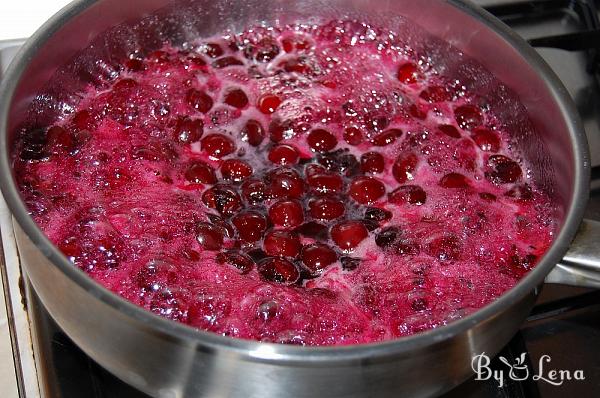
(581, 264)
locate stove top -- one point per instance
(563, 327)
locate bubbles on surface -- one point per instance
(210, 185)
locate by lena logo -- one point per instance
(520, 371)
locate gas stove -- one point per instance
(561, 333)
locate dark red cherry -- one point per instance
(371, 225)
(412, 194)
(376, 122)
(408, 73)
(387, 137)
(199, 100)
(449, 130)
(349, 234)
(267, 310)
(328, 83)
(404, 167)
(70, 248)
(376, 214)
(250, 225)
(59, 140)
(418, 111)
(235, 170)
(106, 251)
(160, 109)
(349, 263)
(253, 133)
(226, 62)
(287, 44)
(321, 140)
(222, 198)
(387, 236)
(298, 65)
(366, 190)
(445, 248)
(436, 94)
(454, 180)
(236, 98)
(285, 129)
(188, 130)
(220, 222)
(284, 155)
(303, 43)
(155, 151)
(318, 256)
(326, 183)
(197, 61)
(285, 183)
(200, 173)
(526, 262)
(204, 311)
(135, 65)
(282, 244)
(313, 230)
(240, 261)
(254, 72)
(267, 50)
(278, 270)
(83, 120)
(124, 84)
(117, 177)
(268, 103)
(326, 208)
(312, 169)
(296, 42)
(486, 139)
(254, 191)
(520, 193)
(34, 143)
(502, 170)
(407, 248)
(158, 56)
(488, 197)
(209, 236)
(234, 45)
(217, 145)
(350, 109)
(419, 304)
(287, 213)
(372, 162)
(213, 50)
(353, 136)
(340, 162)
(190, 254)
(468, 117)
(280, 130)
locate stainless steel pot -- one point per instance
(166, 359)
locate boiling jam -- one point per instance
(304, 184)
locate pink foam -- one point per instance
(130, 220)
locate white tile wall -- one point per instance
(21, 18)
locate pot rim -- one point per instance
(272, 352)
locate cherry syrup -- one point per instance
(311, 185)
